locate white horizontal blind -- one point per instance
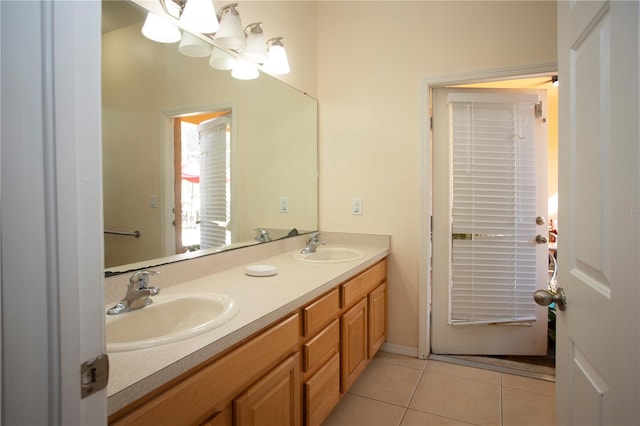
(494, 210)
(215, 193)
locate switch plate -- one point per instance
(356, 206)
(284, 204)
(153, 201)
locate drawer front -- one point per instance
(320, 313)
(322, 392)
(211, 389)
(322, 347)
(360, 286)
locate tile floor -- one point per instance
(396, 390)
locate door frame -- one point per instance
(425, 155)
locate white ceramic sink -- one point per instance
(330, 255)
(168, 319)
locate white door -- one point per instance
(490, 185)
(597, 358)
(51, 212)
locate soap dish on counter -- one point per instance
(260, 270)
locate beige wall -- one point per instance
(371, 59)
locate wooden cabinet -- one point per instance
(273, 400)
(364, 321)
(293, 372)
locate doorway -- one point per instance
(499, 79)
(201, 180)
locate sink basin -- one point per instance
(330, 255)
(169, 318)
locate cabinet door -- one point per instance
(377, 318)
(274, 399)
(354, 343)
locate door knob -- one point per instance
(547, 297)
(541, 239)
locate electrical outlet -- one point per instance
(284, 204)
(356, 206)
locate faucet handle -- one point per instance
(140, 279)
(313, 238)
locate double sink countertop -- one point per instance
(261, 301)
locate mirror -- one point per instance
(145, 86)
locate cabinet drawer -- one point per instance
(320, 313)
(360, 286)
(198, 397)
(322, 347)
(322, 392)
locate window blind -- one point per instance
(493, 211)
(215, 194)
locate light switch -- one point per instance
(356, 206)
(153, 201)
(284, 204)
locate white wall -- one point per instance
(371, 59)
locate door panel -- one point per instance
(498, 333)
(597, 358)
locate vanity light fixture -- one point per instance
(199, 16)
(192, 46)
(230, 35)
(221, 60)
(256, 50)
(245, 69)
(277, 62)
(158, 29)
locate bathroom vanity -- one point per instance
(299, 341)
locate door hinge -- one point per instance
(538, 109)
(431, 122)
(94, 375)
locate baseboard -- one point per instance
(399, 349)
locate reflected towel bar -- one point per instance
(128, 234)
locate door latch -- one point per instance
(94, 375)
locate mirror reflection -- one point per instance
(195, 161)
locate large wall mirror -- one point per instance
(160, 112)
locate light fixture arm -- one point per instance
(229, 9)
(180, 4)
(276, 41)
(254, 27)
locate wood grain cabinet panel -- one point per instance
(273, 400)
(358, 287)
(321, 347)
(322, 392)
(320, 313)
(377, 318)
(354, 358)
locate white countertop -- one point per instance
(261, 300)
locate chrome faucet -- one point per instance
(263, 235)
(138, 292)
(312, 243)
